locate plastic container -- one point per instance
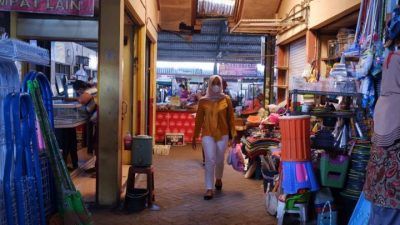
(142, 151)
(333, 171)
(295, 131)
(362, 212)
(135, 200)
(298, 175)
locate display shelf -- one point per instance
(68, 123)
(337, 59)
(16, 50)
(295, 91)
(337, 114)
(281, 86)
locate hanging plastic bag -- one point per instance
(235, 158)
(327, 218)
(271, 199)
(364, 64)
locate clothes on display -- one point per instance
(255, 147)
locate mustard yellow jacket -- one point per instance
(215, 119)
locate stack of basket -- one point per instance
(356, 176)
(297, 169)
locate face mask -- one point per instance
(216, 88)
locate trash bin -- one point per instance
(135, 200)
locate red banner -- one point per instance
(59, 7)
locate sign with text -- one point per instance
(239, 70)
(59, 7)
(175, 139)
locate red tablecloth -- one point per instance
(174, 122)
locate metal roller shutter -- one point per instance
(297, 57)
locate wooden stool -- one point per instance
(149, 171)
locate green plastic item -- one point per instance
(333, 171)
(295, 199)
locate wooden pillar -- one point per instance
(311, 46)
(140, 80)
(153, 91)
(110, 96)
(13, 24)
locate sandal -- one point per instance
(209, 195)
(218, 185)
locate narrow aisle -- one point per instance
(179, 192)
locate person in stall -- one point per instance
(67, 136)
(382, 185)
(183, 92)
(215, 120)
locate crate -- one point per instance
(333, 170)
(162, 149)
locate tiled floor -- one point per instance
(179, 192)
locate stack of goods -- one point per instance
(255, 147)
(345, 38)
(356, 176)
(297, 169)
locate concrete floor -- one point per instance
(179, 189)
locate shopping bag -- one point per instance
(327, 218)
(271, 199)
(235, 158)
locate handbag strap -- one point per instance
(327, 203)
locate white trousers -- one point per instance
(214, 153)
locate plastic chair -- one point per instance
(296, 204)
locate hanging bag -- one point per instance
(271, 199)
(325, 218)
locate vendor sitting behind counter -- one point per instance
(67, 136)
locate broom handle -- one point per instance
(55, 170)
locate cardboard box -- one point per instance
(175, 139)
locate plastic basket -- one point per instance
(362, 212)
(30, 199)
(295, 139)
(333, 171)
(2, 206)
(48, 184)
(298, 175)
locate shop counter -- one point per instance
(69, 114)
(175, 121)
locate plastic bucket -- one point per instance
(135, 200)
(295, 131)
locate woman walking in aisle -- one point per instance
(215, 119)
